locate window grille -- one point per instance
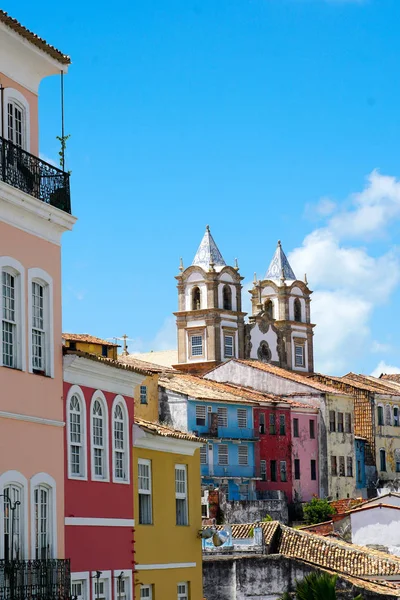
(197, 345)
(200, 415)
(222, 454)
(222, 416)
(243, 455)
(228, 346)
(242, 418)
(203, 454)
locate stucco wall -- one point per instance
(377, 526)
(305, 449)
(257, 510)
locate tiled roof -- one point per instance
(336, 555)
(163, 358)
(342, 506)
(90, 339)
(319, 528)
(33, 38)
(141, 364)
(208, 253)
(107, 361)
(279, 265)
(246, 530)
(391, 377)
(296, 377)
(372, 506)
(373, 384)
(165, 431)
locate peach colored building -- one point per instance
(34, 213)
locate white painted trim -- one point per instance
(18, 270)
(106, 575)
(75, 390)
(165, 566)
(10, 477)
(40, 276)
(99, 522)
(11, 94)
(86, 372)
(127, 575)
(121, 400)
(30, 419)
(33, 216)
(148, 441)
(98, 395)
(50, 482)
(82, 576)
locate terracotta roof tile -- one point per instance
(203, 389)
(165, 431)
(33, 38)
(373, 384)
(107, 361)
(246, 530)
(286, 374)
(391, 377)
(90, 339)
(342, 506)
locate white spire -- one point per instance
(279, 266)
(208, 253)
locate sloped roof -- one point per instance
(246, 530)
(208, 253)
(279, 265)
(391, 377)
(202, 389)
(161, 358)
(373, 384)
(142, 364)
(107, 361)
(345, 504)
(165, 431)
(291, 375)
(33, 38)
(90, 339)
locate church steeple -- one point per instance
(279, 266)
(207, 253)
(210, 320)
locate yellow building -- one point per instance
(146, 394)
(83, 342)
(168, 553)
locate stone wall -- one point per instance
(264, 578)
(250, 511)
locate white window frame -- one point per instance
(106, 577)
(84, 577)
(222, 412)
(200, 336)
(143, 491)
(13, 95)
(243, 455)
(75, 390)
(263, 470)
(120, 401)
(143, 394)
(179, 495)
(185, 594)
(45, 480)
(201, 408)
(204, 455)
(127, 576)
(98, 395)
(223, 464)
(229, 349)
(299, 355)
(148, 587)
(17, 479)
(36, 275)
(15, 268)
(242, 418)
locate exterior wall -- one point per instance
(249, 511)
(173, 551)
(387, 437)
(274, 447)
(148, 411)
(305, 449)
(37, 397)
(378, 526)
(173, 408)
(88, 544)
(94, 349)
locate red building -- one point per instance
(274, 448)
(99, 520)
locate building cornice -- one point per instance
(148, 441)
(32, 215)
(100, 375)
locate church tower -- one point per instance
(279, 330)
(210, 320)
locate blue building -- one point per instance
(224, 417)
(360, 463)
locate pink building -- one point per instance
(305, 426)
(34, 212)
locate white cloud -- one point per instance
(349, 282)
(382, 367)
(165, 339)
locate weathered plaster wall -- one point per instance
(305, 449)
(173, 408)
(240, 511)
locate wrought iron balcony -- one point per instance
(34, 176)
(35, 579)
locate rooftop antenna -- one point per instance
(124, 339)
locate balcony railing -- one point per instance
(35, 579)
(34, 176)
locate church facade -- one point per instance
(211, 324)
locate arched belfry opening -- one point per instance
(227, 297)
(297, 310)
(196, 298)
(269, 309)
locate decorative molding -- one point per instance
(99, 522)
(165, 566)
(100, 375)
(31, 419)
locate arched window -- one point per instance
(98, 441)
(120, 442)
(12, 335)
(43, 522)
(76, 439)
(227, 297)
(16, 123)
(297, 310)
(388, 415)
(196, 298)
(13, 522)
(40, 316)
(269, 309)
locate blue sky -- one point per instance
(267, 119)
